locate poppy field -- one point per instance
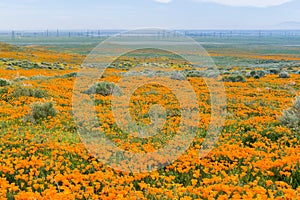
(42, 155)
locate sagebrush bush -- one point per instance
(234, 78)
(195, 73)
(261, 73)
(70, 75)
(29, 92)
(256, 74)
(291, 116)
(39, 77)
(274, 71)
(40, 111)
(248, 75)
(3, 90)
(253, 72)
(204, 73)
(103, 88)
(4, 82)
(284, 74)
(21, 78)
(226, 72)
(211, 74)
(177, 76)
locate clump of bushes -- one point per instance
(252, 73)
(248, 75)
(203, 73)
(40, 111)
(256, 74)
(177, 76)
(261, 73)
(234, 78)
(226, 72)
(211, 74)
(195, 73)
(6, 59)
(291, 116)
(103, 88)
(70, 75)
(29, 92)
(39, 77)
(10, 68)
(21, 78)
(4, 82)
(274, 71)
(284, 74)
(3, 90)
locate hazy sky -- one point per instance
(132, 14)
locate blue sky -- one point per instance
(132, 14)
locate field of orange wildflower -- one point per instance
(256, 156)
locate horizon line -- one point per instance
(95, 29)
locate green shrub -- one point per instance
(226, 72)
(248, 75)
(5, 59)
(39, 77)
(40, 111)
(195, 73)
(21, 78)
(10, 68)
(252, 73)
(70, 75)
(46, 63)
(29, 92)
(4, 82)
(103, 88)
(234, 78)
(206, 73)
(235, 72)
(177, 76)
(3, 90)
(211, 74)
(291, 116)
(261, 73)
(256, 76)
(284, 74)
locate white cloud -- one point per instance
(246, 3)
(163, 1)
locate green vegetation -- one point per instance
(40, 111)
(284, 74)
(4, 82)
(234, 78)
(29, 92)
(291, 116)
(103, 88)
